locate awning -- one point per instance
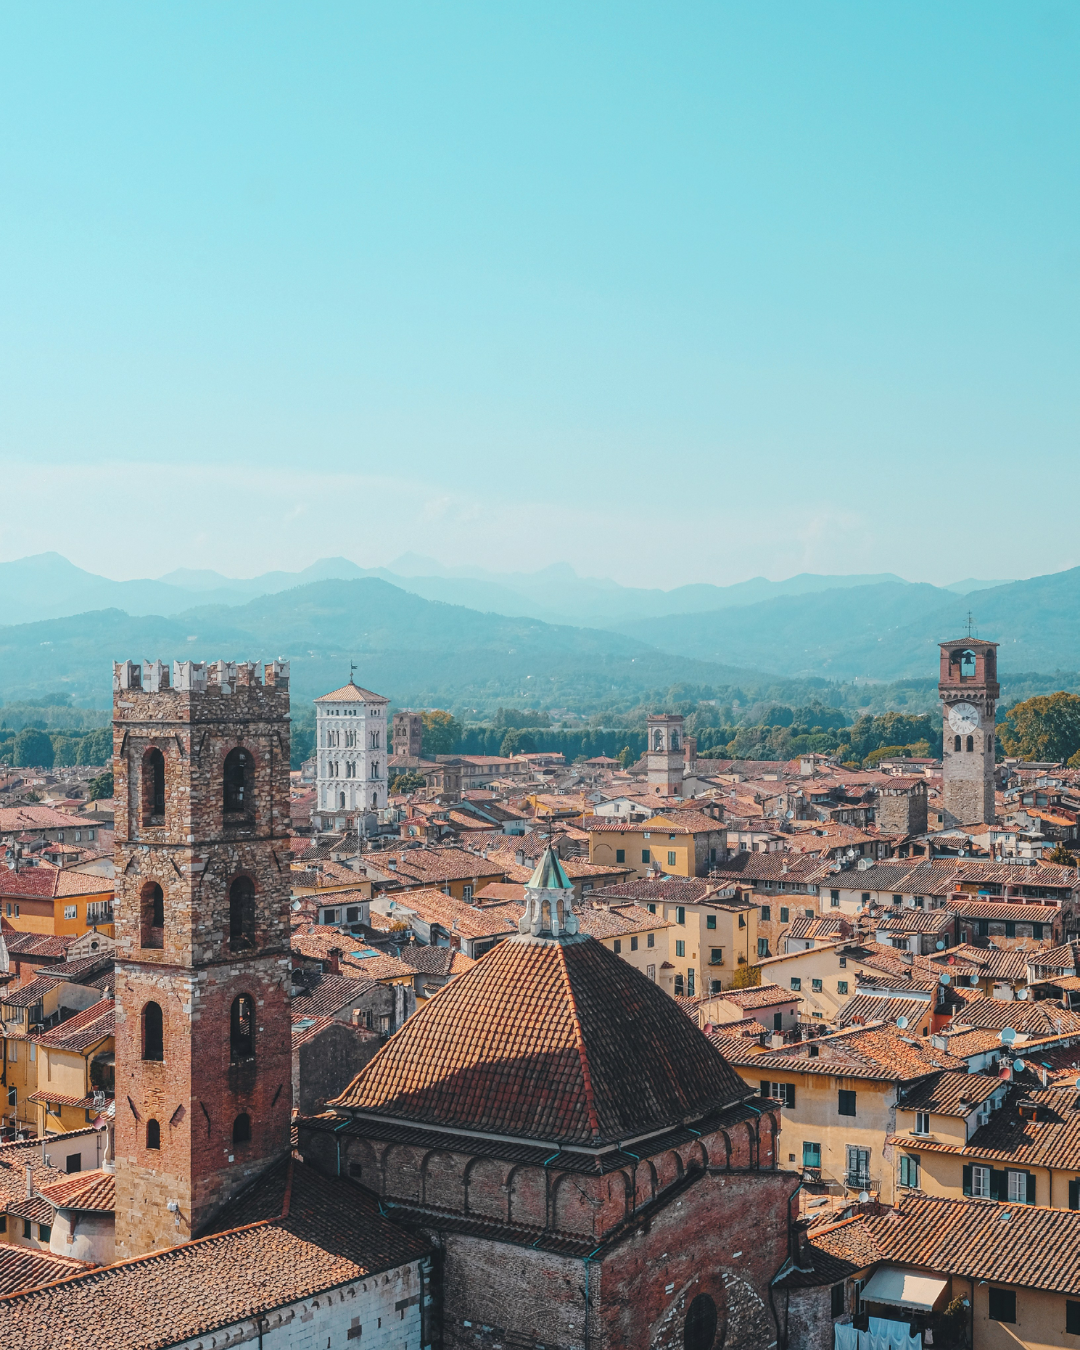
(903, 1289)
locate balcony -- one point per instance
(861, 1181)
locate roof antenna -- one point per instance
(970, 624)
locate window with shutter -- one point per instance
(1074, 1193)
(1002, 1305)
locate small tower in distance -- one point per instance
(665, 754)
(350, 751)
(408, 733)
(203, 1037)
(969, 691)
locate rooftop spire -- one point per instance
(549, 901)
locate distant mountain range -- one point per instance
(429, 635)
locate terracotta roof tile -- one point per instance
(556, 1041)
(83, 1190)
(24, 1268)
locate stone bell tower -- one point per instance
(203, 1043)
(969, 691)
(665, 756)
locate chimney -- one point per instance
(776, 1040)
(519, 857)
(29, 1182)
(335, 960)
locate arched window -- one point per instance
(153, 1043)
(153, 787)
(989, 742)
(674, 740)
(238, 781)
(699, 1329)
(970, 744)
(374, 799)
(241, 1130)
(242, 1028)
(658, 740)
(153, 1134)
(152, 915)
(242, 914)
(956, 743)
(341, 800)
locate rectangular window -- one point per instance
(690, 982)
(834, 898)
(778, 1021)
(27, 1228)
(11, 1098)
(651, 909)
(796, 983)
(44, 1231)
(671, 857)
(710, 920)
(650, 972)
(13, 1052)
(1022, 1188)
(766, 913)
(644, 855)
(716, 956)
(352, 914)
(680, 914)
(866, 897)
(841, 986)
(843, 963)
(845, 1103)
(679, 986)
(836, 1301)
(618, 946)
(909, 1170)
(650, 941)
(71, 911)
(784, 1093)
(811, 1154)
(680, 948)
(815, 986)
(763, 946)
(1002, 1304)
(620, 855)
(980, 1182)
(922, 1122)
(785, 914)
(1074, 1193)
(1072, 1317)
(742, 920)
(633, 944)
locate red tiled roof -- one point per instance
(556, 1041)
(352, 693)
(24, 1268)
(83, 1030)
(84, 1190)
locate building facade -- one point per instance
(350, 738)
(665, 755)
(969, 691)
(408, 731)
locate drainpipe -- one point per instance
(337, 1141)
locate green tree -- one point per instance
(1061, 856)
(626, 757)
(442, 733)
(32, 748)
(96, 747)
(65, 749)
(407, 782)
(517, 742)
(1046, 727)
(100, 787)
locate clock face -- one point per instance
(963, 718)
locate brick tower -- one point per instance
(665, 756)
(969, 692)
(203, 1043)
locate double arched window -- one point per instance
(242, 1029)
(153, 1032)
(151, 915)
(238, 781)
(242, 914)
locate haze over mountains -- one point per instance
(424, 633)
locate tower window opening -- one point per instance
(153, 1134)
(242, 914)
(241, 1130)
(153, 1035)
(341, 800)
(238, 782)
(153, 787)
(970, 744)
(242, 1029)
(989, 742)
(699, 1329)
(152, 916)
(956, 744)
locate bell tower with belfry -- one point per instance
(665, 756)
(969, 691)
(203, 1039)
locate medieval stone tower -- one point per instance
(969, 691)
(203, 1044)
(665, 757)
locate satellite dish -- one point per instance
(940, 945)
(1021, 994)
(973, 979)
(1018, 1066)
(295, 906)
(1007, 1036)
(901, 1022)
(791, 815)
(864, 1197)
(944, 977)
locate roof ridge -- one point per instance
(583, 1057)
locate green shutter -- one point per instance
(967, 1179)
(764, 1087)
(1031, 1188)
(1074, 1193)
(999, 1182)
(790, 1089)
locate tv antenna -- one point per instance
(970, 624)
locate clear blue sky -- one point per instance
(675, 292)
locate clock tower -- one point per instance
(969, 693)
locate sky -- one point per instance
(682, 292)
